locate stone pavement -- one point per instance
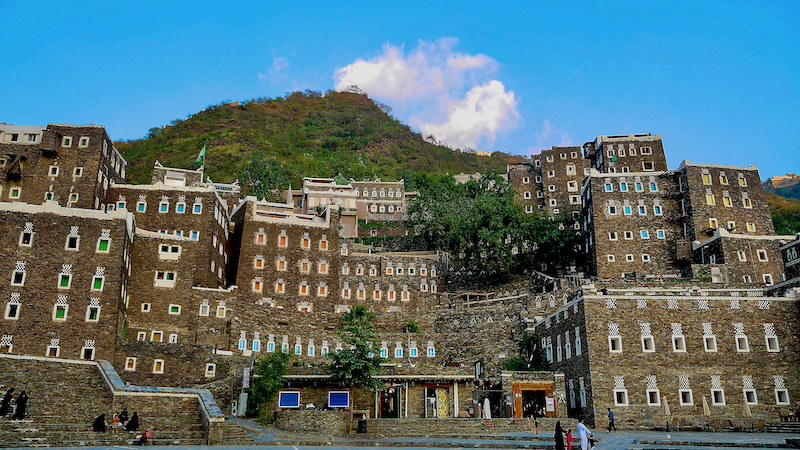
(268, 438)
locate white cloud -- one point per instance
(444, 92)
(485, 110)
(278, 64)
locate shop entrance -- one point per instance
(496, 404)
(533, 403)
(389, 403)
(437, 402)
(534, 399)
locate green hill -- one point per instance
(791, 192)
(785, 214)
(281, 140)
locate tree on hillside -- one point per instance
(531, 356)
(267, 380)
(484, 229)
(358, 362)
(264, 178)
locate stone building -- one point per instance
(636, 349)
(739, 258)
(551, 182)
(790, 252)
(525, 179)
(178, 283)
(626, 153)
(67, 280)
(630, 223)
(377, 202)
(715, 196)
(193, 211)
(72, 165)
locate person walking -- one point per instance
(569, 439)
(5, 406)
(611, 421)
(21, 404)
(558, 436)
(536, 425)
(487, 408)
(584, 434)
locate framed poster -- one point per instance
(289, 399)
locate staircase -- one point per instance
(783, 427)
(66, 397)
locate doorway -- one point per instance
(389, 403)
(533, 403)
(437, 404)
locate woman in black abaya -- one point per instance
(22, 402)
(99, 424)
(133, 424)
(5, 406)
(558, 437)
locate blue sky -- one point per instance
(720, 81)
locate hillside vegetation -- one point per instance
(267, 143)
(785, 214)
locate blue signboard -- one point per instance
(289, 399)
(339, 399)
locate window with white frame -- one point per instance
(781, 393)
(648, 342)
(93, 310)
(678, 339)
(130, 364)
(164, 278)
(620, 393)
(158, 366)
(771, 338)
(717, 393)
(709, 339)
(614, 338)
(685, 397)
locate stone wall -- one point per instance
(316, 422)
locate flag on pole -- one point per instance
(201, 155)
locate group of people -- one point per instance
(121, 420)
(19, 406)
(563, 439)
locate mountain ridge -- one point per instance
(302, 134)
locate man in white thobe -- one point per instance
(584, 434)
(487, 408)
